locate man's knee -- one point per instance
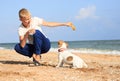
(46, 49)
(38, 34)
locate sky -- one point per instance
(94, 19)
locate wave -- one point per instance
(90, 51)
(5, 48)
(2, 48)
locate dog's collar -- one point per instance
(61, 49)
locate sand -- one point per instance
(15, 67)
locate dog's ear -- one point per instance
(60, 42)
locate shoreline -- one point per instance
(15, 67)
(80, 52)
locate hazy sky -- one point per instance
(94, 19)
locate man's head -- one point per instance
(24, 13)
(25, 16)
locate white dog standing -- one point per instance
(67, 57)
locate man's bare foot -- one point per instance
(36, 59)
(36, 63)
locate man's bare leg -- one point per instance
(36, 59)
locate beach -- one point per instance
(16, 67)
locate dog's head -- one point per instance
(62, 45)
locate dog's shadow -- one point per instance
(47, 64)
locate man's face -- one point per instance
(25, 21)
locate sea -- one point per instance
(91, 46)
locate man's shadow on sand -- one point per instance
(14, 62)
(30, 64)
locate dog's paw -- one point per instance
(74, 67)
(57, 67)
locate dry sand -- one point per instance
(15, 67)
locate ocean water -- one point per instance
(92, 46)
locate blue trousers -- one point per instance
(40, 45)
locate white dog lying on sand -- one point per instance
(67, 57)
